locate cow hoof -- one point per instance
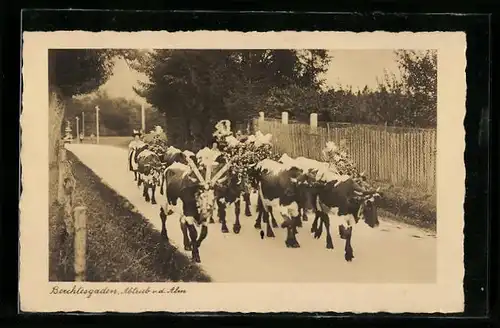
(329, 243)
(211, 221)
(317, 234)
(291, 243)
(170, 212)
(270, 234)
(313, 230)
(349, 256)
(224, 229)
(153, 202)
(305, 218)
(257, 226)
(274, 224)
(236, 228)
(187, 248)
(248, 213)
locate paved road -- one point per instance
(391, 253)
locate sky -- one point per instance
(357, 68)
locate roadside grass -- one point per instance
(407, 204)
(121, 245)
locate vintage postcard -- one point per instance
(212, 171)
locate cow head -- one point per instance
(368, 202)
(208, 163)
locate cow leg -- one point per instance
(203, 234)
(145, 191)
(221, 209)
(326, 220)
(193, 236)
(319, 228)
(290, 225)
(314, 225)
(184, 229)
(298, 219)
(135, 176)
(260, 212)
(163, 218)
(269, 229)
(153, 192)
(273, 220)
(138, 180)
(237, 210)
(346, 233)
(246, 199)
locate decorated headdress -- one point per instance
(136, 133)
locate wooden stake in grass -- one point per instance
(80, 215)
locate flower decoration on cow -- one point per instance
(338, 158)
(157, 140)
(244, 151)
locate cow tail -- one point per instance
(162, 185)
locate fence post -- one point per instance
(284, 118)
(261, 117)
(62, 172)
(314, 122)
(80, 222)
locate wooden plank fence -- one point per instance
(402, 156)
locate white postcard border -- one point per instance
(444, 296)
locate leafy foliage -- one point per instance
(204, 86)
(117, 116)
(78, 71)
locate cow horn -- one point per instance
(358, 193)
(220, 173)
(195, 170)
(378, 189)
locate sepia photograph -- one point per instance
(288, 165)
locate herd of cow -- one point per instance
(298, 189)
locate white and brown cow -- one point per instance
(187, 183)
(306, 200)
(280, 186)
(174, 155)
(134, 148)
(340, 197)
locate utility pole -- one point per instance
(143, 119)
(77, 130)
(97, 122)
(83, 124)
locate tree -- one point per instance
(78, 71)
(413, 98)
(196, 88)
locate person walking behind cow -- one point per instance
(133, 146)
